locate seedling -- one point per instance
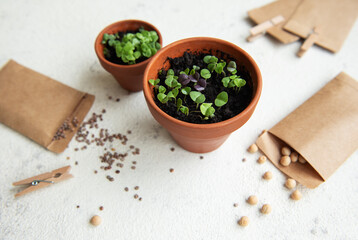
(181, 107)
(205, 73)
(131, 46)
(234, 81)
(231, 67)
(221, 99)
(207, 110)
(213, 64)
(197, 97)
(154, 82)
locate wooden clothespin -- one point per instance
(260, 29)
(43, 180)
(310, 40)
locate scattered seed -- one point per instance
(76, 149)
(244, 160)
(96, 220)
(285, 151)
(117, 100)
(244, 221)
(129, 131)
(109, 97)
(78, 206)
(266, 209)
(267, 175)
(262, 159)
(134, 162)
(301, 160)
(103, 110)
(140, 199)
(296, 195)
(201, 157)
(172, 149)
(101, 208)
(253, 148)
(285, 161)
(236, 205)
(126, 189)
(135, 196)
(111, 179)
(133, 167)
(171, 170)
(95, 172)
(252, 200)
(117, 171)
(76, 163)
(290, 183)
(136, 187)
(68, 158)
(113, 149)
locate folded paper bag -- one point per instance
(324, 130)
(39, 107)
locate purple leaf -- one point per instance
(192, 78)
(183, 79)
(197, 76)
(201, 84)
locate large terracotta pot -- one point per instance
(200, 138)
(128, 76)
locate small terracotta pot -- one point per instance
(200, 138)
(129, 77)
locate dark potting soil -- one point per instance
(112, 51)
(237, 101)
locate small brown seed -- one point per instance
(171, 170)
(253, 148)
(285, 161)
(290, 183)
(296, 195)
(267, 175)
(244, 221)
(236, 205)
(262, 159)
(96, 220)
(252, 200)
(136, 187)
(285, 151)
(294, 156)
(301, 160)
(266, 209)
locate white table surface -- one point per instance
(196, 201)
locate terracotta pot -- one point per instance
(200, 138)
(129, 77)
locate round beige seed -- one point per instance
(266, 209)
(253, 148)
(244, 221)
(301, 160)
(96, 220)
(286, 151)
(294, 156)
(296, 195)
(252, 200)
(290, 183)
(262, 159)
(285, 161)
(267, 175)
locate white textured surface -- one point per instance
(196, 201)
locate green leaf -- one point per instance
(192, 72)
(196, 68)
(118, 48)
(186, 90)
(137, 54)
(106, 52)
(179, 103)
(170, 72)
(231, 66)
(162, 98)
(162, 89)
(187, 70)
(211, 67)
(205, 73)
(197, 97)
(169, 80)
(175, 92)
(213, 59)
(225, 81)
(184, 110)
(221, 99)
(207, 59)
(207, 110)
(220, 67)
(154, 82)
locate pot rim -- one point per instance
(148, 93)
(99, 37)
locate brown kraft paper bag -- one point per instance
(335, 18)
(38, 106)
(284, 8)
(324, 130)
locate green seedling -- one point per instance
(234, 81)
(221, 99)
(207, 110)
(197, 97)
(154, 82)
(182, 108)
(131, 46)
(173, 94)
(213, 64)
(172, 82)
(205, 73)
(162, 97)
(231, 67)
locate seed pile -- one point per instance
(289, 156)
(66, 126)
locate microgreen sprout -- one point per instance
(233, 81)
(131, 46)
(221, 99)
(231, 67)
(205, 73)
(213, 64)
(197, 97)
(181, 107)
(154, 82)
(207, 110)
